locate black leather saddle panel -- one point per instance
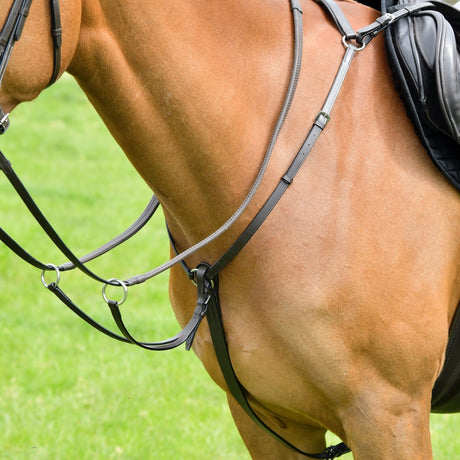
(446, 392)
(424, 54)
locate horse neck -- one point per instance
(190, 90)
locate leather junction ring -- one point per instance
(120, 283)
(58, 275)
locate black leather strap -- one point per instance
(339, 18)
(366, 34)
(127, 234)
(186, 335)
(132, 230)
(9, 35)
(5, 166)
(56, 33)
(267, 208)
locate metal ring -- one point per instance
(58, 275)
(193, 279)
(346, 44)
(120, 283)
(192, 276)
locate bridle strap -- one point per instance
(56, 33)
(11, 33)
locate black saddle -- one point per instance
(424, 54)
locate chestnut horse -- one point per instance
(337, 311)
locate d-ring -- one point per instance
(58, 275)
(120, 283)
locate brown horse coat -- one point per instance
(337, 311)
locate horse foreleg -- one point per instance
(262, 445)
(395, 431)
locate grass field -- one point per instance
(66, 391)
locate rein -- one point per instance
(204, 276)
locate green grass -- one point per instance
(66, 391)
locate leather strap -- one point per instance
(287, 179)
(41, 219)
(56, 33)
(11, 33)
(186, 335)
(141, 221)
(339, 18)
(366, 34)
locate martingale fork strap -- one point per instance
(79, 263)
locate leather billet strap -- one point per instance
(366, 34)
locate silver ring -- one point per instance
(346, 44)
(120, 283)
(58, 275)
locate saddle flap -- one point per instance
(428, 51)
(423, 51)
